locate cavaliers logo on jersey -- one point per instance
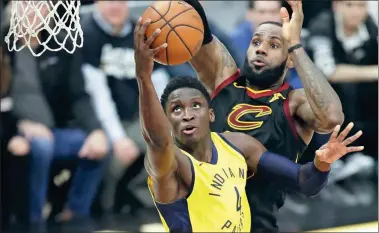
(240, 110)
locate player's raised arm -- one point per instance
(155, 126)
(318, 105)
(308, 179)
(213, 63)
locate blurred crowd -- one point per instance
(71, 143)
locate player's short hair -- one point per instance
(184, 82)
(271, 22)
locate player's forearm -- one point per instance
(305, 179)
(155, 126)
(321, 97)
(354, 73)
(213, 64)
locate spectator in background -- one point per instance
(13, 166)
(345, 46)
(56, 117)
(373, 10)
(258, 12)
(109, 71)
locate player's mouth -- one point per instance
(189, 130)
(259, 63)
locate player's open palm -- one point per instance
(143, 54)
(337, 146)
(292, 26)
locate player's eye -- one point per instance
(255, 43)
(274, 46)
(177, 108)
(196, 105)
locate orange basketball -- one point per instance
(181, 28)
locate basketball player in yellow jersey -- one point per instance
(197, 178)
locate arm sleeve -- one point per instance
(305, 179)
(97, 87)
(80, 99)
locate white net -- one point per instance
(29, 18)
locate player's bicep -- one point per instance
(213, 64)
(303, 111)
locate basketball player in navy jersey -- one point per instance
(258, 102)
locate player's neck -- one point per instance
(272, 87)
(202, 150)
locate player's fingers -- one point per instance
(293, 5)
(352, 139)
(136, 31)
(160, 48)
(144, 26)
(334, 133)
(345, 132)
(319, 153)
(300, 6)
(354, 149)
(152, 38)
(138, 24)
(284, 15)
(141, 32)
(290, 2)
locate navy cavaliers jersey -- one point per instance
(264, 115)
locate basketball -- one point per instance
(181, 28)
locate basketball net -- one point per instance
(29, 18)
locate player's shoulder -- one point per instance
(228, 82)
(242, 142)
(233, 136)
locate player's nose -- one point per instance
(188, 115)
(261, 50)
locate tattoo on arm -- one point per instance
(321, 97)
(227, 59)
(227, 65)
(213, 64)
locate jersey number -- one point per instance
(238, 206)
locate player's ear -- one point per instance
(289, 63)
(212, 115)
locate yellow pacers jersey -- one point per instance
(217, 202)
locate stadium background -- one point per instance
(351, 197)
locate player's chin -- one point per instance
(259, 69)
(189, 139)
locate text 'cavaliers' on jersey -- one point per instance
(264, 115)
(217, 201)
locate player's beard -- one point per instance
(263, 79)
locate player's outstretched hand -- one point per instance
(292, 28)
(336, 147)
(143, 54)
